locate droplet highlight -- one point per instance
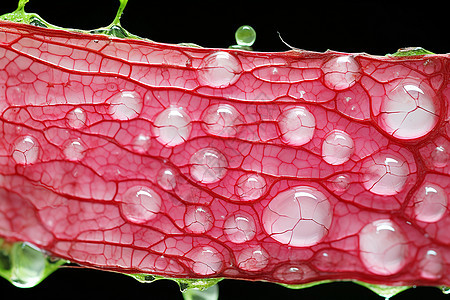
(208, 165)
(240, 228)
(219, 70)
(338, 147)
(140, 204)
(26, 150)
(383, 248)
(300, 217)
(250, 187)
(125, 105)
(172, 127)
(221, 120)
(296, 126)
(430, 203)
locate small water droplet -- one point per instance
(74, 150)
(219, 69)
(253, 258)
(141, 143)
(208, 165)
(198, 219)
(172, 127)
(205, 260)
(250, 187)
(340, 183)
(245, 36)
(221, 120)
(296, 126)
(125, 105)
(29, 265)
(439, 157)
(140, 204)
(341, 72)
(430, 203)
(76, 118)
(166, 179)
(26, 150)
(240, 228)
(431, 265)
(337, 148)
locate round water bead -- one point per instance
(245, 36)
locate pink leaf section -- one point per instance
(291, 167)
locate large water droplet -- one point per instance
(221, 120)
(385, 174)
(300, 217)
(206, 260)
(383, 248)
(26, 150)
(125, 105)
(74, 150)
(250, 187)
(28, 265)
(296, 126)
(253, 258)
(430, 203)
(408, 111)
(439, 157)
(431, 265)
(76, 118)
(208, 165)
(172, 127)
(219, 69)
(166, 179)
(338, 147)
(140, 204)
(341, 72)
(240, 228)
(198, 219)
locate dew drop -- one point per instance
(430, 203)
(439, 157)
(340, 183)
(293, 273)
(206, 260)
(383, 248)
(28, 265)
(250, 187)
(385, 174)
(221, 120)
(245, 36)
(240, 228)
(76, 118)
(140, 204)
(141, 143)
(166, 179)
(74, 150)
(300, 217)
(253, 258)
(172, 127)
(337, 148)
(198, 219)
(296, 126)
(408, 111)
(208, 165)
(431, 265)
(341, 72)
(26, 150)
(125, 105)
(219, 69)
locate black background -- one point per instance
(374, 27)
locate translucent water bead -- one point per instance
(245, 36)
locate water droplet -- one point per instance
(219, 69)
(341, 72)
(337, 148)
(74, 150)
(76, 118)
(208, 165)
(250, 187)
(430, 203)
(253, 258)
(293, 273)
(29, 265)
(385, 174)
(221, 120)
(206, 260)
(141, 143)
(198, 219)
(26, 150)
(240, 228)
(431, 265)
(383, 248)
(166, 179)
(340, 183)
(439, 157)
(408, 111)
(245, 36)
(140, 204)
(297, 126)
(125, 105)
(300, 217)
(172, 127)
